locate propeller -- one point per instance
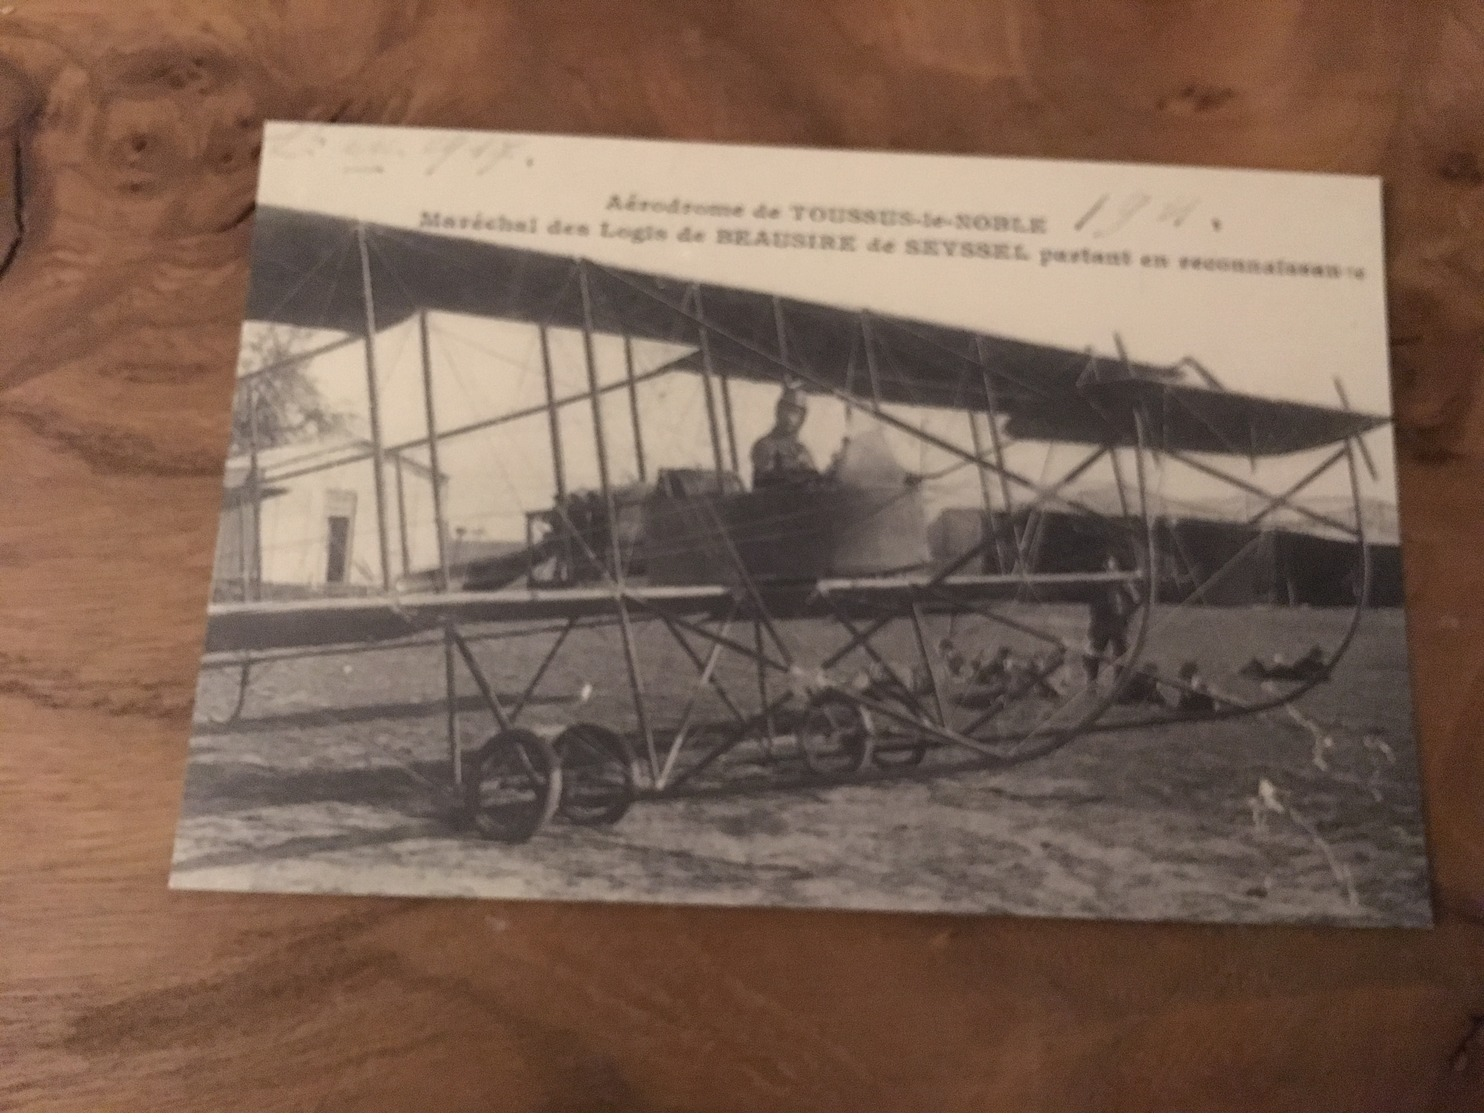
(1128, 366)
(1128, 371)
(1365, 453)
(1089, 374)
(1200, 370)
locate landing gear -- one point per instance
(835, 736)
(513, 786)
(597, 768)
(898, 755)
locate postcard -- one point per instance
(627, 520)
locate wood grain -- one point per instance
(130, 131)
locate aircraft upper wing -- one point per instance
(1191, 418)
(306, 271)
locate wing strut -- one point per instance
(369, 304)
(631, 657)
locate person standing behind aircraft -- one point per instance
(1112, 607)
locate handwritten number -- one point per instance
(1110, 213)
(1090, 214)
(1177, 210)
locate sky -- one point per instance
(1287, 337)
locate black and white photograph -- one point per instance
(622, 520)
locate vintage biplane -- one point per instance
(726, 573)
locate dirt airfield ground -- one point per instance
(332, 778)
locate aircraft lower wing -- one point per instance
(275, 625)
(263, 625)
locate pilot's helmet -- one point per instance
(791, 399)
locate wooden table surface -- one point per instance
(131, 134)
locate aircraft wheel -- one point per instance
(892, 756)
(513, 786)
(597, 775)
(835, 736)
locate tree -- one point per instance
(283, 405)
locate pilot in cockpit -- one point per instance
(864, 460)
(779, 458)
